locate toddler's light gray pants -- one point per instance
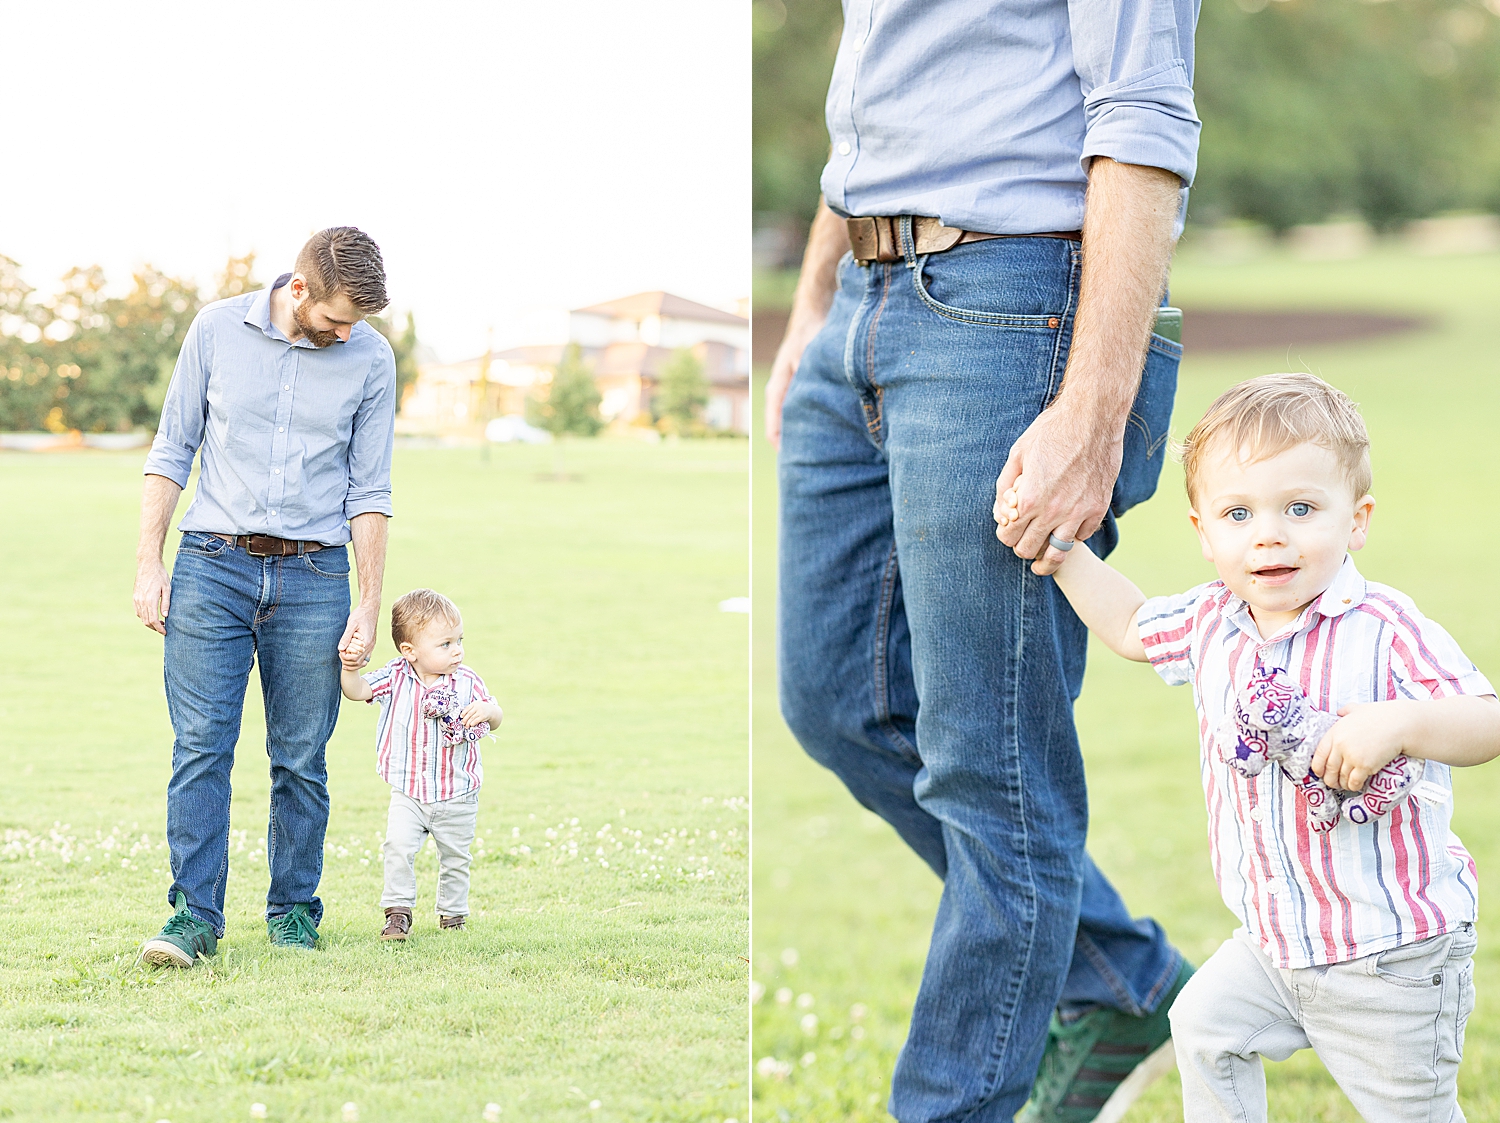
(451, 825)
(1389, 1028)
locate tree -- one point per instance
(681, 394)
(404, 347)
(238, 278)
(572, 404)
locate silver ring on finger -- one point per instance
(1060, 544)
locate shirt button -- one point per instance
(1273, 887)
(273, 512)
(276, 470)
(1257, 814)
(281, 428)
(843, 148)
(286, 387)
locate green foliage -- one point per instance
(238, 278)
(681, 394)
(1310, 108)
(793, 45)
(624, 691)
(82, 360)
(404, 346)
(1317, 107)
(572, 403)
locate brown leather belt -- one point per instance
(879, 239)
(266, 546)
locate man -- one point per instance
(292, 398)
(1010, 176)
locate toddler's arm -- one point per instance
(351, 682)
(1463, 730)
(1104, 598)
(476, 712)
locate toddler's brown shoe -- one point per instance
(397, 923)
(451, 921)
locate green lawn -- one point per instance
(602, 976)
(842, 910)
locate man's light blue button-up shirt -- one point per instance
(985, 113)
(296, 439)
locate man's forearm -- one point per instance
(158, 501)
(371, 532)
(1128, 223)
(827, 242)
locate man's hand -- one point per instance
(359, 637)
(153, 589)
(826, 243)
(1071, 453)
(1070, 463)
(1368, 737)
(153, 595)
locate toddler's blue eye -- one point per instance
(1300, 510)
(1239, 514)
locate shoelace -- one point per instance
(296, 925)
(181, 922)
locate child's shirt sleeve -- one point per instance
(1168, 628)
(1425, 661)
(380, 683)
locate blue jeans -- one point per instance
(228, 608)
(926, 665)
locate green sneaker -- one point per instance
(183, 940)
(294, 929)
(1095, 1067)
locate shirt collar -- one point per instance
(1345, 591)
(259, 315)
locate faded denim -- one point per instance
(926, 665)
(227, 609)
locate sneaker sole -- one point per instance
(395, 936)
(163, 954)
(1162, 1061)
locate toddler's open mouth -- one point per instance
(1276, 574)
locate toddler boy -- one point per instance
(433, 712)
(1355, 939)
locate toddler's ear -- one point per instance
(1361, 532)
(1197, 521)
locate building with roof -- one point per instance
(626, 342)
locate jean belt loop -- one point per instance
(906, 240)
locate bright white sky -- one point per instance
(513, 159)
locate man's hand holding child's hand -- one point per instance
(352, 656)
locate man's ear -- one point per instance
(297, 286)
(1362, 512)
(1197, 520)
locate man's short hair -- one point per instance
(1270, 414)
(414, 611)
(344, 261)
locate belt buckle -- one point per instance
(255, 546)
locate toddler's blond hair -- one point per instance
(1270, 414)
(415, 610)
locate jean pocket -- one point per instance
(1415, 965)
(1146, 429)
(971, 290)
(204, 545)
(329, 562)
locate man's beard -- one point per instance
(311, 334)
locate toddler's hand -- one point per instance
(1007, 505)
(353, 657)
(473, 714)
(1364, 741)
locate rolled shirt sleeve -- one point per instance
(1168, 629)
(184, 413)
(1134, 60)
(371, 442)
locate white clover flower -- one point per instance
(351, 1113)
(757, 992)
(809, 1059)
(258, 1111)
(789, 957)
(805, 1001)
(491, 1113)
(858, 1011)
(783, 996)
(809, 1023)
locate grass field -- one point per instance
(842, 910)
(602, 976)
